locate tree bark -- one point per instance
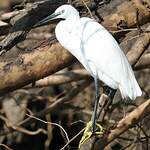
(33, 66)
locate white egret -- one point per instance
(97, 51)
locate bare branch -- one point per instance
(125, 16)
(5, 146)
(22, 24)
(61, 78)
(143, 62)
(139, 47)
(76, 90)
(32, 66)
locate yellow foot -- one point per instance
(88, 132)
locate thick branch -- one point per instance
(128, 14)
(143, 63)
(139, 47)
(61, 78)
(32, 66)
(22, 24)
(75, 75)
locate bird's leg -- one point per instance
(92, 127)
(110, 93)
(97, 96)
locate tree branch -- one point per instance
(126, 15)
(33, 66)
(61, 78)
(22, 24)
(129, 121)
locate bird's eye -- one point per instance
(62, 11)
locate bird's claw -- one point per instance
(88, 132)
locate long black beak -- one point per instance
(46, 20)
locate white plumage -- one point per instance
(97, 51)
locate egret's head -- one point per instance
(65, 11)
(62, 12)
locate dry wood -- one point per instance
(32, 66)
(126, 15)
(143, 63)
(58, 102)
(139, 47)
(61, 78)
(22, 24)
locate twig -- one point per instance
(76, 90)
(102, 104)
(49, 133)
(123, 30)
(88, 9)
(8, 148)
(20, 129)
(55, 124)
(146, 136)
(72, 139)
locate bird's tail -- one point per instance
(130, 88)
